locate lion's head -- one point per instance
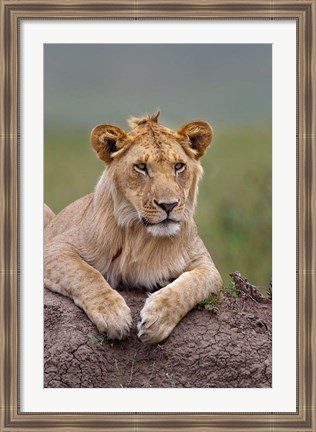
(154, 171)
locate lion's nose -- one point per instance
(167, 206)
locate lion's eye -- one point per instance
(179, 167)
(141, 167)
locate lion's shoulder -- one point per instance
(70, 217)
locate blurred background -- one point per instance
(230, 86)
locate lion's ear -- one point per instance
(106, 140)
(199, 135)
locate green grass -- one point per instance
(211, 304)
(71, 168)
(234, 212)
(95, 340)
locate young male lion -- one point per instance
(136, 229)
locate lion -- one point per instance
(48, 215)
(137, 230)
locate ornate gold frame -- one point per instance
(304, 13)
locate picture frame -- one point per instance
(303, 12)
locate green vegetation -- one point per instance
(234, 212)
(231, 290)
(95, 340)
(211, 304)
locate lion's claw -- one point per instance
(157, 320)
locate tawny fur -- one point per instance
(136, 229)
(48, 215)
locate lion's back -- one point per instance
(69, 218)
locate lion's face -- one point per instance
(156, 180)
(154, 172)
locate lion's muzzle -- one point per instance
(167, 206)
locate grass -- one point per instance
(210, 304)
(234, 212)
(95, 340)
(170, 379)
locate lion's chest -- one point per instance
(145, 266)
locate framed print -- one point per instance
(153, 72)
(40, 44)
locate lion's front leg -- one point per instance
(165, 308)
(68, 274)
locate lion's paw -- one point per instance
(113, 318)
(158, 318)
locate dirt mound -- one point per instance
(224, 345)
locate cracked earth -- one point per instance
(231, 348)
